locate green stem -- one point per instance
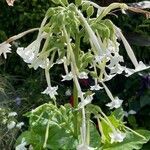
(75, 91)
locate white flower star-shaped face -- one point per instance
(51, 91)
(12, 114)
(67, 77)
(117, 136)
(95, 87)
(141, 66)
(27, 55)
(11, 125)
(5, 48)
(116, 103)
(86, 101)
(22, 145)
(83, 75)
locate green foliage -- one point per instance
(131, 141)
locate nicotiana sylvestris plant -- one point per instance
(63, 31)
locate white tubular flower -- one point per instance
(84, 147)
(117, 136)
(10, 2)
(83, 75)
(95, 87)
(116, 103)
(12, 114)
(40, 62)
(27, 55)
(91, 33)
(68, 92)
(30, 52)
(132, 112)
(51, 91)
(127, 47)
(19, 125)
(115, 60)
(67, 77)
(11, 125)
(141, 66)
(5, 48)
(113, 47)
(22, 145)
(86, 101)
(118, 69)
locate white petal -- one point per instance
(95, 87)
(117, 136)
(83, 75)
(67, 77)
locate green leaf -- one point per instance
(85, 5)
(95, 139)
(131, 142)
(78, 2)
(90, 11)
(65, 2)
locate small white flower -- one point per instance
(113, 47)
(86, 101)
(4, 121)
(117, 136)
(40, 62)
(10, 2)
(30, 52)
(67, 77)
(11, 125)
(68, 92)
(116, 103)
(115, 60)
(27, 55)
(22, 145)
(118, 69)
(95, 87)
(83, 75)
(60, 61)
(12, 114)
(141, 66)
(5, 48)
(84, 147)
(19, 125)
(132, 112)
(51, 91)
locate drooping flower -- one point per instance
(95, 87)
(68, 92)
(86, 101)
(11, 125)
(51, 91)
(40, 62)
(117, 136)
(22, 145)
(19, 125)
(31, 51)
(27, 55)
(12, 114)
(5, 48)
(131, 112)
(67, 77)
(83, 75)
(10, 2)
(116, 103)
